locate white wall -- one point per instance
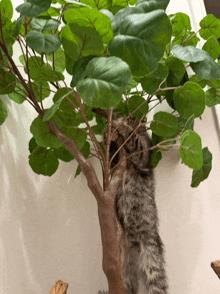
(49, 228)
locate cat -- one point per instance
(144, 265)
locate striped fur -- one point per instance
(144, 260)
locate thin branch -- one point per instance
(190, 37)
(108, 142)
(85, 165)
(158, 146)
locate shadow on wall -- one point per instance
(181, 235)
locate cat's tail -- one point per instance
(151, 271)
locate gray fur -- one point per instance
(144, 260)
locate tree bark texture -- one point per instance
(111, 230)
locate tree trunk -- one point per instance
(111, 230)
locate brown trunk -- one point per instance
(111, 230)
(112, 242)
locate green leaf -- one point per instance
(80, 41)
(33, 8)
(44, 24)
(212, 47)
(16, 97)
(189, 123)
(189, 53)
(7, 82)
(63, 119)
(156, 156)
(136, 101)
(196, 79)
(142, 6)
(181, 23)
(3, 112)
(122, 109)
(63, 154)
(43, 161)
(87, 17)
(206, 69)
(212, 97)
(210, 26)
(50, 112)
(8, 33)
(151, 82)
(142, 40)
(52, 11)
(151, 5)
(107, 13)
(188, 39)
(164, 124)
(78, 135)
(6, 9)
(201, 174)
(189, 99)
(106, 80)
(78, 71)
(32, 144)
(18, 26)
(43, 43)
(191, 149)
(176, 71)
(59, 59)
(213, 83)
(65, 105)
(42, 134)
(78, 171)
(44, 93)
(44, 73)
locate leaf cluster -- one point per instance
(128, 56)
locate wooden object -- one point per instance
(216, 267)
(59, 288)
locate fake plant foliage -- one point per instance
(108, 48)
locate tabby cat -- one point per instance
(144, 271)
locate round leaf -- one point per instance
(189, 99)
(44, 73)
(189, 53)
(7, 82)
(3, 112)
(79, 41)
(33, 7)
(91, 18)
(181, 23)
(44, 24)
(207, 69)
(43, 161)
(106, 80)
(191, 149)
(212, 97)
(210, 26)
(42, 134)
(136, 101)
(142, 40)
(201, 174)
(43, 43)
(212, 47)
(164, 124)
(6, 8)
(63, 154)
(50, 112)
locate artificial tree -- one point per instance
(123, 60)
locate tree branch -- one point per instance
(86, 167)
